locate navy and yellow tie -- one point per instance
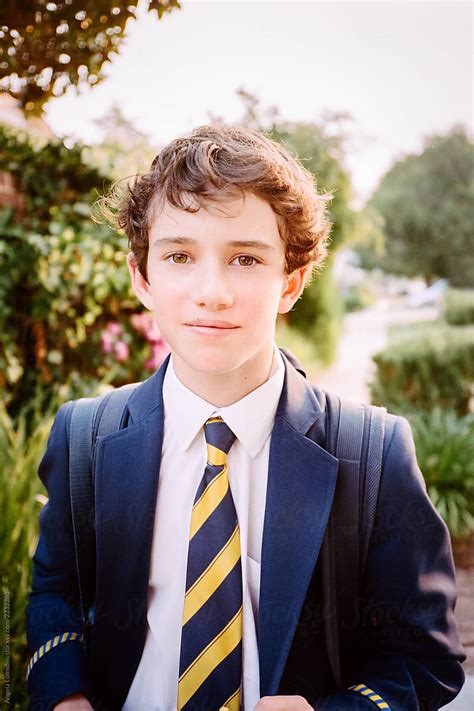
(211, 640)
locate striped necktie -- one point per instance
(211, 639)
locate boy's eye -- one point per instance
(246, 260)
(178, 258)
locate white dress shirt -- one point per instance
(183, 459)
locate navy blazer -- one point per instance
(408, 655)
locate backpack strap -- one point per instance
(90, 418)
(81, 487)
(355, 435)
(373, 472)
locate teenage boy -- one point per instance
(211, 502)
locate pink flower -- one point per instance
(159, 352)
(115, 328)
(153, 333)
(139, 321)
(145, 323)
(121, 351)
(107, 342)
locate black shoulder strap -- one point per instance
(81, 487)
(90, 418)
(355, 435)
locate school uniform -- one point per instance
(408, 654)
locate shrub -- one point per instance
(318, 315)
(358, 297)
(459, 306)
(427, 367)
(445, 451)
(64, 284)
(22, 497)
(302, 348)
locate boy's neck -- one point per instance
(225, 389)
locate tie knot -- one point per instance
(219, 439)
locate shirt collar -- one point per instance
(250, 418)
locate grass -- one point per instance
(21, 498)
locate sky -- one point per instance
(402, 70)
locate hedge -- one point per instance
(459, 306)
(430, 367)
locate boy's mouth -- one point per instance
(211, 326)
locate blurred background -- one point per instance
(375, 98)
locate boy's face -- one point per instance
(216, 283)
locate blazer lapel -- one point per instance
(127, 470)
(300, 490)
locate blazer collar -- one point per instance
(148, 396)
(298, 405)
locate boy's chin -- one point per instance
(211, 366)
(211, 363)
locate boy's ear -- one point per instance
(140, 286)
(294, 285)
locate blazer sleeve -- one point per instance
(57, 666)
(411, 652)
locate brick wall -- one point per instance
(9, 195)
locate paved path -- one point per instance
(365, 333)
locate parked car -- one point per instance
(428, 296)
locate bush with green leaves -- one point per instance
(358, 297)
(445, 452)
(459, 306)
(429, 366)
(317, 315)
(68, 314)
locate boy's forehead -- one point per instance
(248, 211)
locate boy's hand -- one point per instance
(283, 703)
(75, 702)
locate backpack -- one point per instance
(354, 434)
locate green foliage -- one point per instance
(318, 314)
(46, 47)
(50, 178)
(459, 306)
(426, 202)
(67, 308)
(429, 366)
(358, 297)
(302, 348)
(445, 452)
(22, 497)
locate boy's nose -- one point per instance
(211, 288)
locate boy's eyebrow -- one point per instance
(240, 243)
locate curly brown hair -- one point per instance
(221, 162)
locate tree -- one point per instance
(428, 211)
(47, 46)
